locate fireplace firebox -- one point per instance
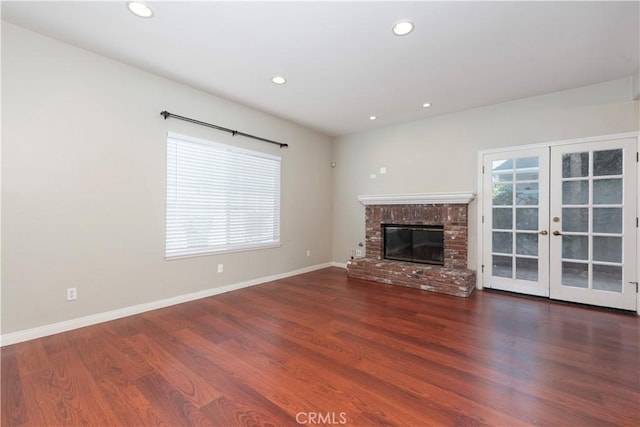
(414, 243)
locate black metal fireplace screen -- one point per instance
(414, 243)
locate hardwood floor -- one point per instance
(323, 349)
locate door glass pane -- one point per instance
(527, 169)
(527, 269)
(526, 176)
(575, 247)
(575, 219)
(526, 219)
(502, 266)
(527, 194)
(607, 191)
(502, 218)
(607, 220)
(527, 244)
(607, 162)
(575, 274)
(607, 249)
(502, 242)
(502, 194)
(502, 170)
(575, 165)
(607, 278)
(575, 192)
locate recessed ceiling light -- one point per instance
(372, 117)
(279, 80)
(402, 28)
(140, 9)
(426, 105)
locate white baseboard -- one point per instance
(339, 264)
(81, 322)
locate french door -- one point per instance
(560, 222)
(516, 221)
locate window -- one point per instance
(220, 198)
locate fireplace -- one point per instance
(414, 243)
(426, 235)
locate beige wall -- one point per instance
(83, 185)
(441, 154)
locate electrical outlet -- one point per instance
(72, 294)
(308, 252)
(358, 252)
(220, 268)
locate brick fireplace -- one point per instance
(447, 210)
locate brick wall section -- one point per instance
(452, 278)
(452, 281)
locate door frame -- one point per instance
(480, 198)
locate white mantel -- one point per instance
(417, 199)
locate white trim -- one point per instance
(417, 199)
(480, 225)
(561, 142)
(270, 245)
(80, 322)
(339, 264)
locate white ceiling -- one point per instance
(341, 60)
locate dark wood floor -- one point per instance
(322, 349)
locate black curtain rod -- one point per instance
(167, 114)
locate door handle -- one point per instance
(557, 233)
(543, 232)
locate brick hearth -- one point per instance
(452, 278)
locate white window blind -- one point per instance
(220, 198)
